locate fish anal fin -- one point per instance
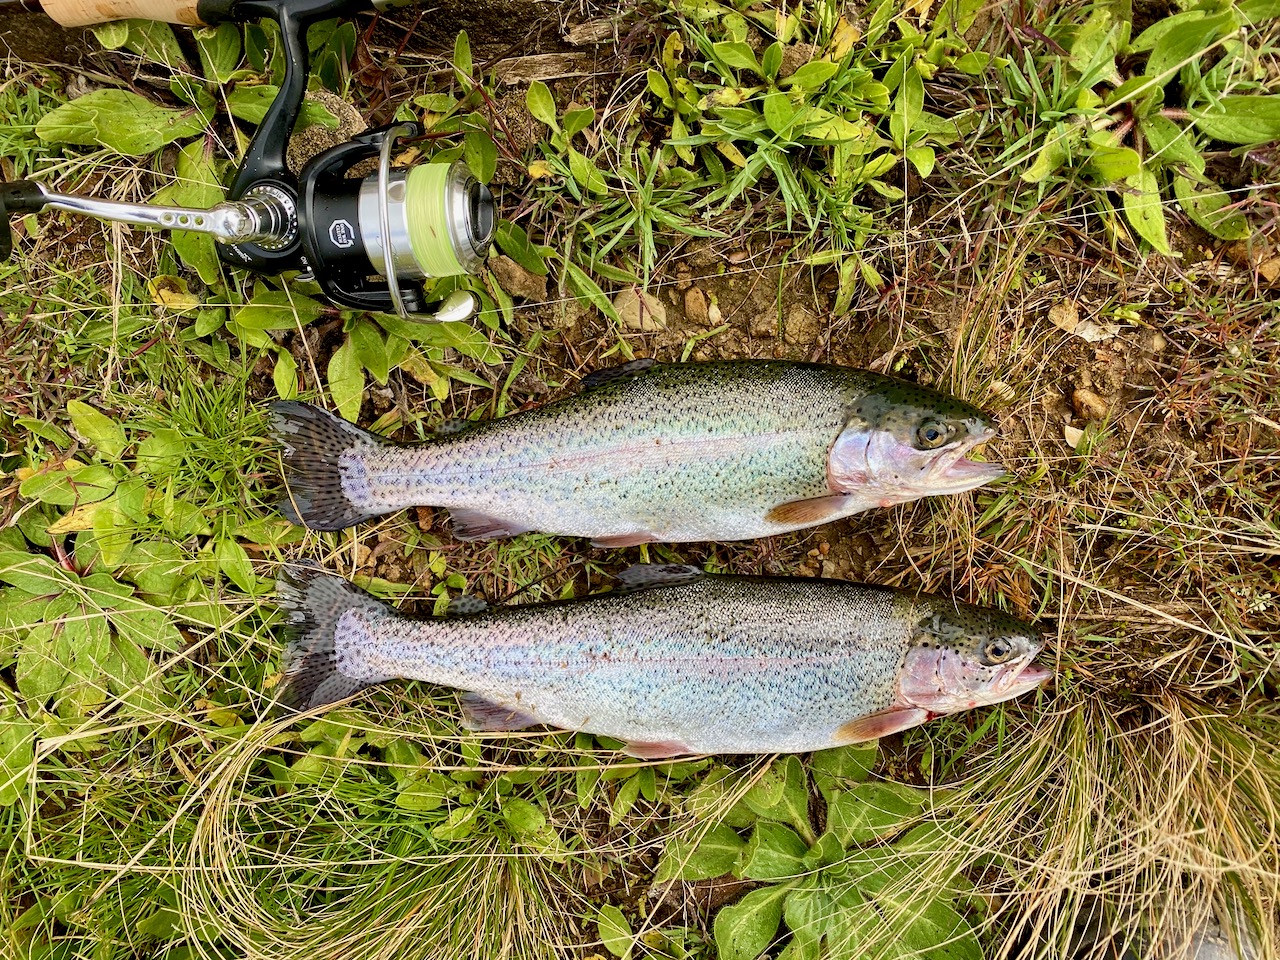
(811, 511)
(474, 525)
(624, 540)
(481, 713)
(645, 576)
(881, 724)
(623, 371)
(656, 750)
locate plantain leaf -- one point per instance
(119, 120)
(1143, 208)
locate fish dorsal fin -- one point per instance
(448, 428)
(625, 371)
(466, 606)
(646, 576)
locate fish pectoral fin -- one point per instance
(625, 540)
(656, 750)
(877, 725)
(645, 576)
(623, 371)
(474, 525)
(811, 511)
(481, 713)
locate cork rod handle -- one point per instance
(82, 13)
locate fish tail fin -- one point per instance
(314, 442)
(313, 667)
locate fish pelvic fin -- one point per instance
(318, 638)
(314, 443)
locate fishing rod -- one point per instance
(369, 243)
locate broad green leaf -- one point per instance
(1209, 209)
(922, 158)
(811, 76)
(577, 120)
(277, 310)
(346, 381)
(735, 55)
(17, 749)
(234, 563)
(371, 350)
(219, 51)
(523, 817)
(1169, 143)
(771, 62)
(250, 102)
(1257, 11)
(585, 172)
(111, 35)
(713, 856)
(155, 41)
(40, 671)
(154, 629)
(69, 483)
(97, 429)
(873, 810)
(744, 929)
(462, 61)
(615, 932)
(1187, 41)
(1145, 211)
(907, 106)
(782, 793)
(659, 87)
(542, 106)
(1241, 119)
(779, 113)
(1052, 156)
(481, 154)
(285, 376)
(1113, 164)
(934, 930)
(775, 852)
(840, 768)
(120, 120)
(514, 242)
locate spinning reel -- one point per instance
(369, 243)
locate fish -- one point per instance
(675, 661)
(652, 452)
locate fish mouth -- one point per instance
(956, 473)
(1019, 678)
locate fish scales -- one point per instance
(598, 456)
(673, 452)
(715, 664)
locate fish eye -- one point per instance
(933, 434)
(998, 650)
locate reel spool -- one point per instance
(369, 243)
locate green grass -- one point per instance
(146, 810)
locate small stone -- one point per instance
(640, 311)
(802, 328)
(695, 305)
(828, 568)
(518, 281)
(1089, 405)
(714, 316)
(1156, 342)
(765, 325)
(1073, 436)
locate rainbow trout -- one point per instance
(653, 452)
(676, 661)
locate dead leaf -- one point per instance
(1066, 316)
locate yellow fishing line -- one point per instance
(427, 217)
